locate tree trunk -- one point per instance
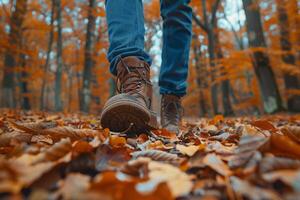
(59, 61)
(12, 53)
(88, 62)
(291, 81)
(197, 54)
(263, 70)
(225, 85)
(51, 33)
(212, 57)
(295, 25)
(24, 85)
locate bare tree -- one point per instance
(59, 61)
(88, 62)
(209, 23)
(45, 69)
(291, 81)
(268, 86)
(196, 47)
(12, 53)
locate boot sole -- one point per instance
(124, 115)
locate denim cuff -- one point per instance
(179, 93)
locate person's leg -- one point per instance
(177, 32)
(125, 20)
(129, 110)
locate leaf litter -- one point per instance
(68, 156)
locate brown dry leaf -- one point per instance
(211, 128)
(220, 149)
(31, 173)
(264, 125)
(159, 145)
(74, 186)
(179, 182)
(215, 162)
(248, 145)
(7, 138)
(19, 173)
(41, 138)
(251, 166)
(189, 150)
(95, 142)
(56, 132)
(35, 127)
(118, 186)
(289, 177)
(137, 167)
(290, 146)
(166, 134)
(108, 158)
(9, 177)
(250, 130)
(55, 152)
(156, 155)
(271, 163)
(293, 132)
(226, 137)
(245, 189)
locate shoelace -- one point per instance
(131, 81)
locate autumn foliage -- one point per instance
(57, 156)
(244, 55)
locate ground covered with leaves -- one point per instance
(69, 156)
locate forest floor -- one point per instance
(69, 156)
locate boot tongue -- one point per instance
(134, 79)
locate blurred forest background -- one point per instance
(245, 56)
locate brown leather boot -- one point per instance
(171, 112)
(129, 111)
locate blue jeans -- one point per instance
(125, 19)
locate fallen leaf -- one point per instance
(217, 119)
(264, 125)
(289, 177)
(156, 155)
(82, 147)
(56, 132)
(74, 186)
(215, 162)
(293, 132)
(247, 190)
(271, 163)
(118, 186)
(108, 158)
(55, 152)
(189, 150)
(165, 134)
(42, 138)
(116, 141)
(290, 146)
(179, 182)
(247, 148)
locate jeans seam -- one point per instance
(136, 20)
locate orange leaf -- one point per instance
(285, 144)
(82, 147)
(116, 141)
(264, 125)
